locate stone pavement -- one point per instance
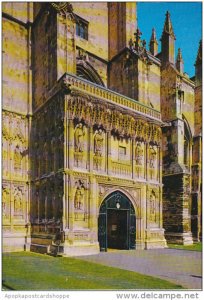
(178, 266)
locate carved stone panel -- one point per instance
(80, 200)
(153, 162)
(153, 206)
(139, 157)
(80, 145)
(99, 150)
(5, 202)
(18, 202)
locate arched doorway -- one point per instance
(116, 223)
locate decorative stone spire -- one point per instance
(137, 35)
(179, 62)
(199, 54)
(153, 45)
(198, 66)
(167, 41)
(168, 28)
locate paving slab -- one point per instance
(178, 266)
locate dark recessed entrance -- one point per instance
(117, 230)
(116, 223)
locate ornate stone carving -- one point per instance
(17, 158)
(18, 202)
(95, 111)
(64, 9)
(98, 142)
(139, 153)
(79, 196)
(152, 206)
(152, 157)
(5, 202)
(79, 138)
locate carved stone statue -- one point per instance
(79, 138)
(5, 202)
(18, 205)
(152, 157)
(98, 142)
(139, 154)
(17, 158)
(152, 204)
(79, 197)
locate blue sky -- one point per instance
(186, 19)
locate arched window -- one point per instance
(86, 71)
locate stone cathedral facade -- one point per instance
(101, 135)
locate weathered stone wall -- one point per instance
(15, 66)
(198, 110)
(122, 22)
(44, 56)
(96, 46)
(176, 208)
(22, 11)
(97, 16)
(135, 78)
(15, 125)
(47, 166)
(149, 83)
(188, 104)
(168, 103)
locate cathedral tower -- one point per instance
(122, 25)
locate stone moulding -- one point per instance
(72, 82)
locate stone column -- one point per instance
(70, 143)
(71, 202)
(12, 206)
(66, 203)
(93, 211)
(160, 208)
(91, 148)
(147, 161)
(66, 135)
(133, 157)
(160, 165)
(109, 167)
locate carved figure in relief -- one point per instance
(79, 138)
(17, 158)
(18, 205)
(5, 202)
(18, 134)
(98, 142)
(79, 197)
(152, 202)
(139, 154)
(152, 157)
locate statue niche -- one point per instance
(152, 207)
(18, 202)
(139, 154)
(98, 148)
(79, 196)
(79, 135)
(5, 203)
(139, 158)
(152, 162)
(17, 158)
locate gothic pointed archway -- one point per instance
(116, 223)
